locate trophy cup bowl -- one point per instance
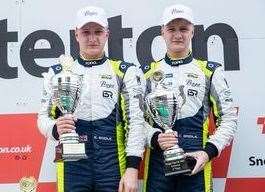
(66, 87)
(164, 105)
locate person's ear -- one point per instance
(108, 33)
(192, 31)
(162, 30)
(76, 34)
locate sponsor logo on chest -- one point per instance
(177, 62)
(105, 76)
(90, 63)
(192, 75)
(106, 84)
(192, 83)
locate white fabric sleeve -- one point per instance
(132, 94)
(224, 111)
(44, 122)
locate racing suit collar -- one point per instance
(91, 63)
(177, 62)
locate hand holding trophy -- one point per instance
(66, 88)
(163, 105)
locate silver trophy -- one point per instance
(163, 105)
(66, 88)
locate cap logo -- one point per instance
(90, 13)
(176, 11)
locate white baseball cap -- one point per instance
(91, 14)
(175, 12)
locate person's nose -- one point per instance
(91, 37)
(177, 34)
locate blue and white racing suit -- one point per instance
(110, 120)
(205, 89)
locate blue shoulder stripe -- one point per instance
(124, 66)
(57, 68)
(212, 65)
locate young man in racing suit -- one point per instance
(108, 117)
(205, 89)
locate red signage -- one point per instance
(21, 147)
(261, 121)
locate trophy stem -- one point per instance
(175, 162)
(66, 113)
(168, 130)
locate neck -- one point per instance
(178, 55)
(90, 57)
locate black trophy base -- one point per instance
(70, 152)
(177, 167)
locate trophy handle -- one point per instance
(168, 130)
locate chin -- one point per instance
(178, 49)
(93, 52)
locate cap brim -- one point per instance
(182, 16)
(82, 24)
